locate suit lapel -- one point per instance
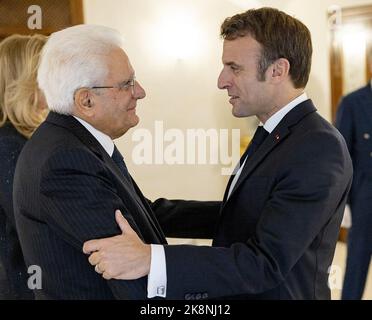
(236, 169)
(75, 127)
(150, 213)
(136, 195)
(276, 137)
(254, 160)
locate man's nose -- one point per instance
(138, 91)
(223, 81)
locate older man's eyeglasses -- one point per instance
(124, 86)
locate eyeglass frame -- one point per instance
(120, 87)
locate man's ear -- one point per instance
(84, 101)
(279, 70)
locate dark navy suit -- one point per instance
(66, 190)
(13, 273)
(354, 120)
(277, 232)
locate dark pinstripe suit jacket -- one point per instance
(66, 189)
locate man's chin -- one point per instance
(238, 113)
(134, 121)
(242, 111)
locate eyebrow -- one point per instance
(128, 80)
(231, 63)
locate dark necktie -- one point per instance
(258, 138)
(119, 161)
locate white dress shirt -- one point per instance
(157, 279)
(103, 139)
(157, 264)
(269, 126)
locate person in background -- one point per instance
(22, 109)
(354, 121)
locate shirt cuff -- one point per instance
(157, 278)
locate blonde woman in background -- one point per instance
(22, 109)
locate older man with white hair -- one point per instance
(70, 177)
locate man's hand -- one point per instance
(123, 257)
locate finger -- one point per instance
(97, 269)
(94, 258)
(123, 223)
(91, 246)
(106, 276)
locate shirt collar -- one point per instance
(274, 120)
(104, 140)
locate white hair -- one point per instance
(74, 58)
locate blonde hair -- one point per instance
(19, 93)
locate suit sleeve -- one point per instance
(187, 219)
(303, 201)
(345, 122)
(78, 202)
